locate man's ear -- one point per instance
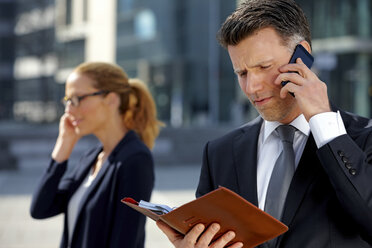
(306, 45)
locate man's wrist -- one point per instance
(326, 126)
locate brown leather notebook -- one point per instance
(251, 225)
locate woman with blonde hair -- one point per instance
(101, 100)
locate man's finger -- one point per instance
(172, 234)
(192, 236)
(236, 245)
(208, 235)
(223, 240)
(299, 61)
(300, 68)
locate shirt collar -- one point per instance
(300, 123)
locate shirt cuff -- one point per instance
(326, 126)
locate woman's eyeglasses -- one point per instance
(75, 100)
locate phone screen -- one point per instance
(300, 52)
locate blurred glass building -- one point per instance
(85, 31)
(342, 45)
(171, 45)
(35, 62)
(7, 49)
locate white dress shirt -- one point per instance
(324, 127)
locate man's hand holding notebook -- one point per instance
(251, 225)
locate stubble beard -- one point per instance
(278, 111)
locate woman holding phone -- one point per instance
(101, 100)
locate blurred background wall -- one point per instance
(171, 45)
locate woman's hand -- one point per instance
(197, 237)
(67, 138)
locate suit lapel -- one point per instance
(94, 185)
(303, 177)
(109, 163)
(78, 173)
(108, 168)
(245, 160)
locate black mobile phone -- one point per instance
(307, 58)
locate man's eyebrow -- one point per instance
(237, 71)
(262, 62)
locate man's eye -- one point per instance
(242, 74)
(265, 66)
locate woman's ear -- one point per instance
(306, 45)
(112, 99)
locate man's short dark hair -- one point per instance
(285, 16)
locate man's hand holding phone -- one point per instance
(310, 92)
(304, 55)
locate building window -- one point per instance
(125, 6)
(68, 12)
(145, 25)
(71, 53)
(85, 10)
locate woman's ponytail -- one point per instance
(140, 115)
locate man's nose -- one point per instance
(253, 84)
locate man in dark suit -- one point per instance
(328, 201)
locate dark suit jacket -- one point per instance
(329, 203)
(103, 221)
